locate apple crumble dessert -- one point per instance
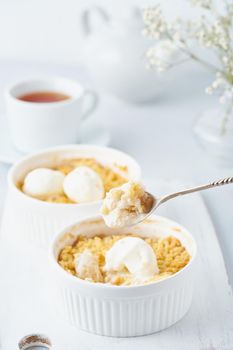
(125, 204)
(77, 180)
(124, 259)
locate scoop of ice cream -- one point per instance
(42, 182)
(87, 267)
(83, 185)
(134, 254)
(124, 204)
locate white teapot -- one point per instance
(114, 54)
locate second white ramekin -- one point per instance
(123, 311)
(27, 220)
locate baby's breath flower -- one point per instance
(163, 55)
(209, 90)
(225, 59)
(202, 3)
(222, 100)
(213, 30)
(155, 24)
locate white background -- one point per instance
(45, 36)
(50, 30)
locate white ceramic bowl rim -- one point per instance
(98, 285)
(12, 185)
(9, 92)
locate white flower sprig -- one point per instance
(213, 30)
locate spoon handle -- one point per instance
(225, 181)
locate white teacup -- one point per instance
(36, 125)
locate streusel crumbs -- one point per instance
(171, 255)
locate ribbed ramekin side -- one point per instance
(127, 317)
(28, 227)
(36, 225)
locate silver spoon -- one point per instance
(156, 202)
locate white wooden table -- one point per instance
(160, 137)
(29, 303)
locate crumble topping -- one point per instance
(171, 257)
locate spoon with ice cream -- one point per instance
(130, 204)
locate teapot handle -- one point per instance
(86, 18)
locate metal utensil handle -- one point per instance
(225, 181)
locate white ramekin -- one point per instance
(29, 220)
(123, 311)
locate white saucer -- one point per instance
(91, 132)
